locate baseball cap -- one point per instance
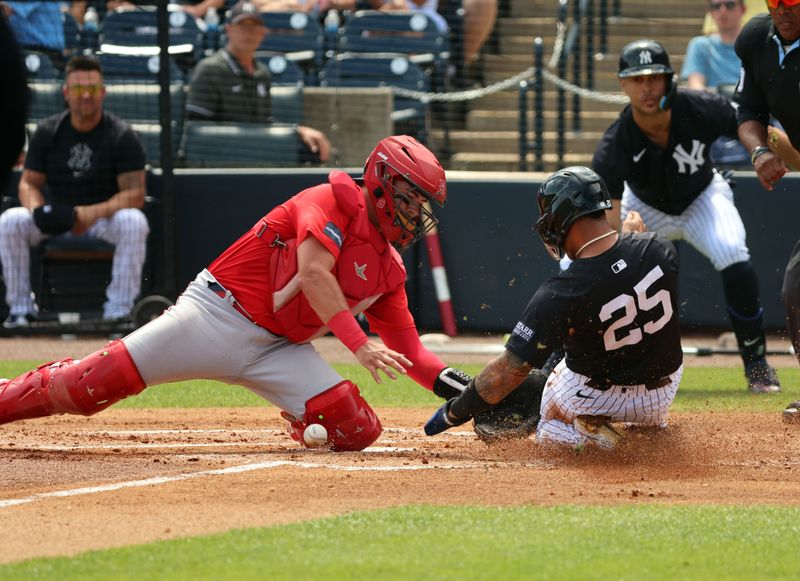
(242, 10)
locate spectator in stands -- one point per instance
(711, 63)
(751, 8)
(711, 60)
(37, 26)
(198, 8)
(231, 86)
(427, 7)
(312, 6)
(479, 21)
(83, 176)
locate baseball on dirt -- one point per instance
(315, 436)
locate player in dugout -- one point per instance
(307, 267)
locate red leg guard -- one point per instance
(352, 425)
(84, 387)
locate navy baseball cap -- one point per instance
(242, 10)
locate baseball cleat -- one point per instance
(597, 430)
(761, 378)
(791, 415)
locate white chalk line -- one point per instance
(417, 431)
(217, 472)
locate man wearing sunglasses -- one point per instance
(769, 47)
(711, 60)
(83, 176)
(711, 63)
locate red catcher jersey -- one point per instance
(262, 274)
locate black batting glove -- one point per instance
(450, 383)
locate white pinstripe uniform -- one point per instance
(127, 230)
(615, 316)
(711, 223)
(566, 396)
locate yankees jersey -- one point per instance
(615, 314)
(769, 83)
(82, 168)
(668, 180)
(260, 269)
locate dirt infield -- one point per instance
(130, 476)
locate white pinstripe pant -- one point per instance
(711, 223)
(566, 396)
(127, 230)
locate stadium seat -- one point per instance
(140, 102)
(384, 70)
(39, 66)
(296, 34)
(150, 136)
(282, 70)
(410, 33)
(240, 145)
(287, 104)
(135, 68)
(135, 31)
(46, 99)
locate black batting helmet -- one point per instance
(643, 57)
(565, 196)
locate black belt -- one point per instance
(648, 385)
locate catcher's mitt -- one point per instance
(54, 218)
(517, 415)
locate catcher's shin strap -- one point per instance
(648, 385)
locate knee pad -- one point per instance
(351, 423)
(83, 387)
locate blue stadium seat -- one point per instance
(39, 66)
(287, 104)
(135, 68)
(135, 31)
(410, 33)
(240, 145)
(282, 70)
(384, 70)
(296, 34)
(140, 102)
(46, 99)
(150, 136)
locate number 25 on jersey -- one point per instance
(629, 306)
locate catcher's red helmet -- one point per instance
(402, 217)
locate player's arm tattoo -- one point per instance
(499, 378)
(131, 189)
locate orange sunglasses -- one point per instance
(774, 3)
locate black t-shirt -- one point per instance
(615, 315)
(768, 86)
(82, 168)
(668, 180)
